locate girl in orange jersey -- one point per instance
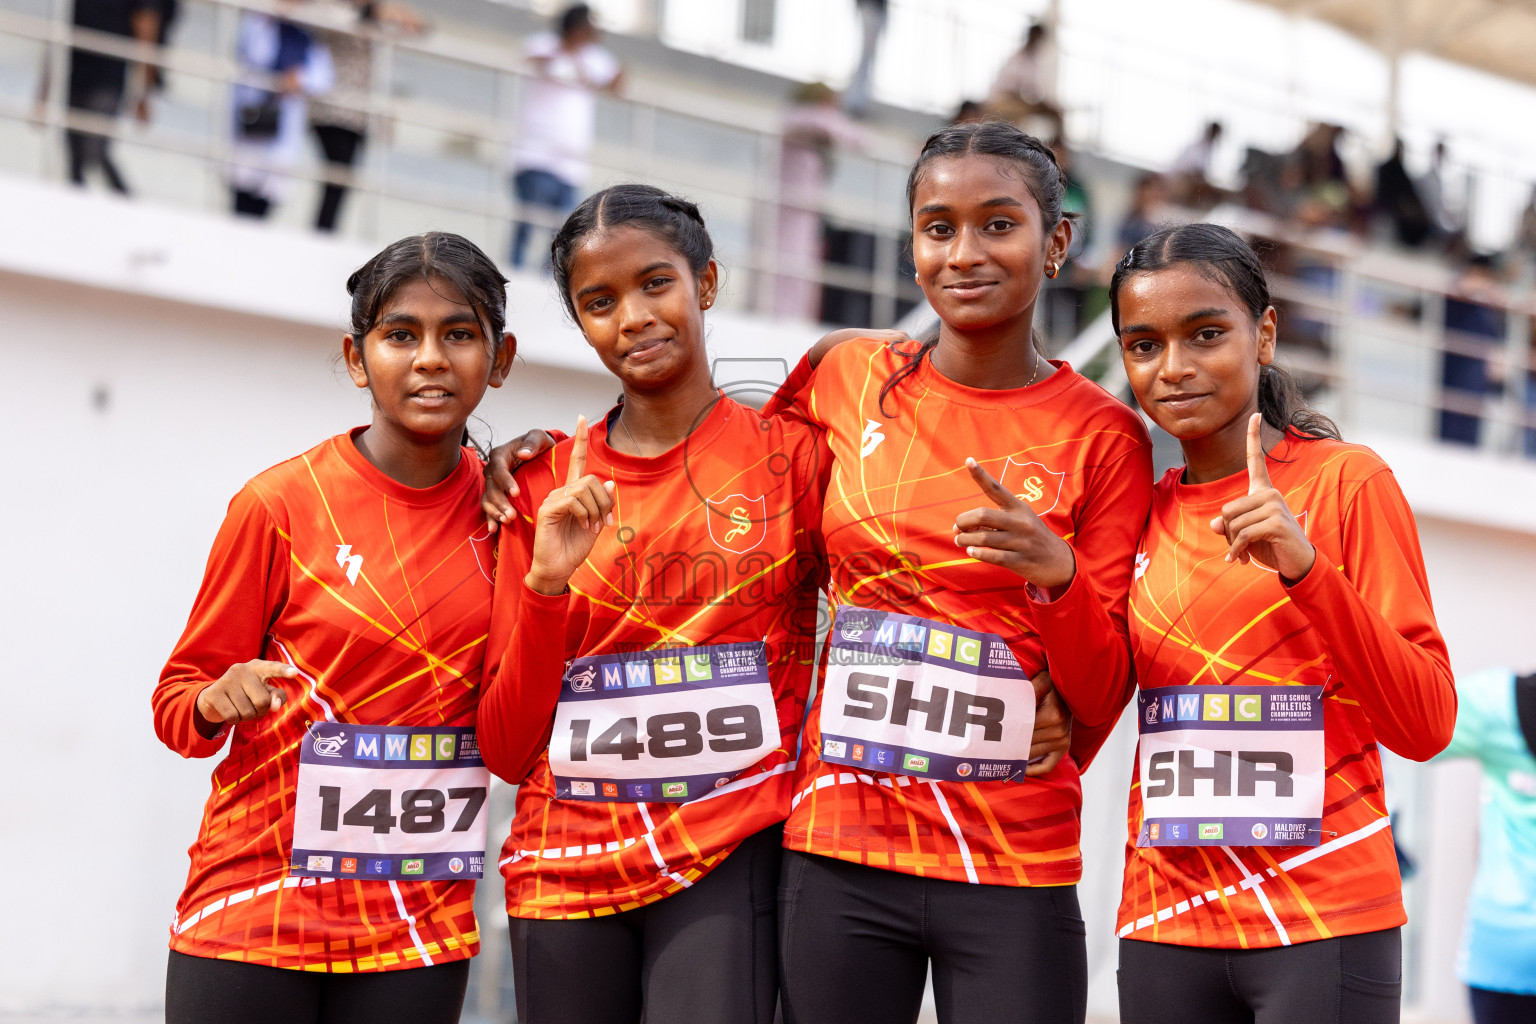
(659, 583)
(960, 465)
(1282, 629)
(336, 645)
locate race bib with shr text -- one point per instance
(1231, 765)
(916, 697)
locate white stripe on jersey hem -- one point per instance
(954, 827)
(650, 842)
(1256, 883)
(734, 787)
(410, 922)
(1212, 895)
(219, 904)
(842, 778)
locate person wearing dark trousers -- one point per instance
(98, 83)
(341, 126)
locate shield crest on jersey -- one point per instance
(1033, 484)
(738, 523)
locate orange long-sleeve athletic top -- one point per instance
(713, 543)
(379, 594)
(1360, 625)
(1082, 460)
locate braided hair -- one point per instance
(674, 220)
(1042, 176)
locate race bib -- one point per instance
(390, 802)
(1231, 765)
(668, 725)
(922, 698)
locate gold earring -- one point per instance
(1051, 270)
(918, 278)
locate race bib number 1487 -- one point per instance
(390, 802)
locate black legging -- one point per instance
(1489, 1007)
(201, 989)
(705, 955)
(1353, 979)
(856, 943)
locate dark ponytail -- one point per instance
(674, 220)
(1221, 256)
(436, 254)
(1042, 176)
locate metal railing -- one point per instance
(442, 120)
(1365, 332)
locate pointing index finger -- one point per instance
(1000, 495)
(1258, 472)
(578, 453)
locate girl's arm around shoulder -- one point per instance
(245, 585)
(1084, 628)
(1375, 615)
(793, 397)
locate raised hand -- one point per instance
(569, 521)
(500, 484)
(1011, 535)
(242, 694)
(1260, 525)
(1052, 736)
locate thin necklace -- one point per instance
(628, 434)
(1038, 360)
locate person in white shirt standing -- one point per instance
(558, 120)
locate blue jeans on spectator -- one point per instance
(539, 188)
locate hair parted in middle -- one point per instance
(674, 220)
(1041, 175)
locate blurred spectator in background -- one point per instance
(873, 15)
(814, 129)
(1432, 193)
(1397, 200)
(558, 119)
(1475, 323)
(1025, 87)
(1496, 726)
(270, 122)
(968, 110)
(1315, 171)
(98, 83)
(1190, 175)
(170, 11)
(1145, 216)
(1525, 235)
(1076, 203)
(342, 128)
